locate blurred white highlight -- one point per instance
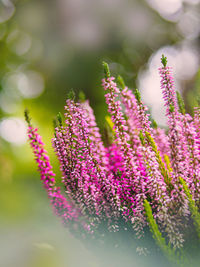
(193, 2)
(7, 9)
(189, 24)
(13, 130)
(23, 44)
(30, 84)
(8, 104)
(167, 8)
(19, 41)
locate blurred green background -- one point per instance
(49, 47)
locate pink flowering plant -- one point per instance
(144, 184)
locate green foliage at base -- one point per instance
(159, 239)
(192, 206)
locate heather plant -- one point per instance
(140, 185)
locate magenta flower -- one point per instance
(108, 185)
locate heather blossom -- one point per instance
(144, 178)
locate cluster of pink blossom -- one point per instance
(108, 184)
(70, 215)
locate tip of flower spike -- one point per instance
(106, 69)
(81, 96)
(121, 82)
(137, 95)
(55, 123)
(71, 95)
(27, 117)
(164, 60)
(59, 118)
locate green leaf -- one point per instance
(181, 103)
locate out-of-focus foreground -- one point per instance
(49, 47)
